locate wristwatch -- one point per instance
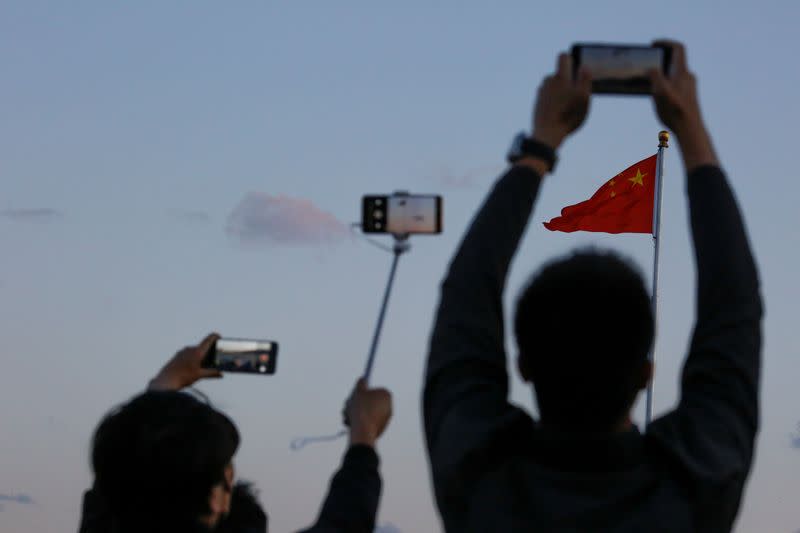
(522, 146)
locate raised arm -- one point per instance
(712, 432)
(351, 505)
(466, 385)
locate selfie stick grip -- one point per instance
(400, 246)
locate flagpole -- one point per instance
(663, 142)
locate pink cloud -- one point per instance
(264, 219)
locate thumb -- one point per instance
(584, 82)
(210, 373)
(659, 82)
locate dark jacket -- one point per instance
(352, 502)
(351, 505)
(495, 470)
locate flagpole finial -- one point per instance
(663, 139)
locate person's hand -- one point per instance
(367, 412)
(675, 95)
(677, 105)
(185, 367)
(562, 103)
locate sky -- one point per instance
(168, 169)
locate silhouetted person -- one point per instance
(583, 327)
(163, 462)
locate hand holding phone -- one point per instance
(562, 104)
(185, 367)
(678, 107)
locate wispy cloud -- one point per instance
(31, 214)
(264, 219)
(189, 216)
(449, 179)
(22, 499)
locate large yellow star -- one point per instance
(637, 179)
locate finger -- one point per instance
(658, 81)
(584, 82)
(345, 413)
(543, 86)
(210, 373)
(361, 384)
(207, 342)
(348, 404)
(383, 393)
(678, 62)
(564, 66)
(185, 350)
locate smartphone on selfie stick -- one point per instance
(400, 214)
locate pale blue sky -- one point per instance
(139, 129)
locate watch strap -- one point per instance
(530, 147)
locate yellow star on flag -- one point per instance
(637, 179)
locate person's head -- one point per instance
(163, 462)
(584, 327)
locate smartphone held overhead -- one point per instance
(621, 68)
(247, 356)
(402, 214)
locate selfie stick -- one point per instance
(663, 142)
(401, 245)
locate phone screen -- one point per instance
(244, 355)
(413, 214)
(620, 69)
(402, 214)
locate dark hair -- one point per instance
(156, 459)
(584, 326)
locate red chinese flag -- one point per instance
(624, 204)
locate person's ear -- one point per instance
(220, 499)
(524, 368)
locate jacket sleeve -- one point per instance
(711, 433)
(351, 505)
(465, 398)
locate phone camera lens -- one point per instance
(378, 214)
(378, 225)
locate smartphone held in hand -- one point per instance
(247, 356)
(620, 68)
(402, 214)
